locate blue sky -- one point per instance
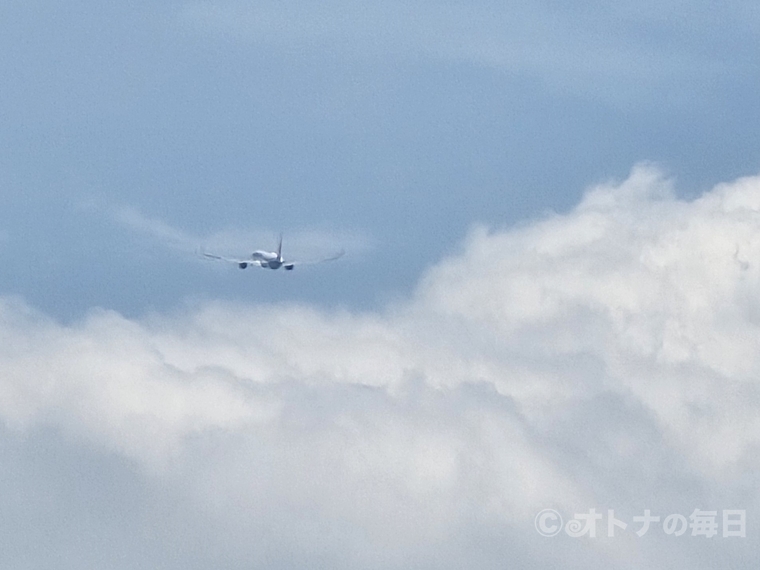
(551, 218)
(400, 124)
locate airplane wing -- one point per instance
(241, 263)
(291, 264)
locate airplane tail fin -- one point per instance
(279, 248)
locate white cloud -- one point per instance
(603, 358)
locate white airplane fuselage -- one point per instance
(268, 259)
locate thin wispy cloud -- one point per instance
(591, 50)
(311, 243)
(156, 229)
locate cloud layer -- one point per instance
(605, 358)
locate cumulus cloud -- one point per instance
(602, 358)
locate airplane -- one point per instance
(269, 259)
